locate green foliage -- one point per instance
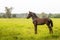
(14, 15)
(57, 16)
(50, 15)
(4, 16)
(8, 12)
(43, 15)
(24, 15)
(0, 16)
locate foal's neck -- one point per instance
(34, 17)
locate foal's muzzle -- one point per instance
(27, 17)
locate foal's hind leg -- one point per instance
(50, 28)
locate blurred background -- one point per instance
(20, 8)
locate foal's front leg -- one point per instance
(35, 25)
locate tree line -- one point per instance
(8, 14)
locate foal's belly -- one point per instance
(40, 23)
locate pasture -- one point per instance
(23, 29)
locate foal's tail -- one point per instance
(51, 23)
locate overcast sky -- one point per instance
(37, 6)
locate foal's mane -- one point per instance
(34, 14)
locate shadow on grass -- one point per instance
(50, 37)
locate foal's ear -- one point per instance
(30, 12)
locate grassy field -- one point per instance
(23, 29)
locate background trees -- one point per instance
(8, 12)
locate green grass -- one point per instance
(23, 29)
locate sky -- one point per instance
(37, 6)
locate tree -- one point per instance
(8, 12)
(4, 16)
(44, 15)
(0, 16)
(57, 16)
(49, 15)
(14, 15)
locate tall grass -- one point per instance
(23, 29)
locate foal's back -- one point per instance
(41, 20)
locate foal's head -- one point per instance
(31, 14)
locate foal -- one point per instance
(40, 21)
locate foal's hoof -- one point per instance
(35, 33)
(51, 32)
